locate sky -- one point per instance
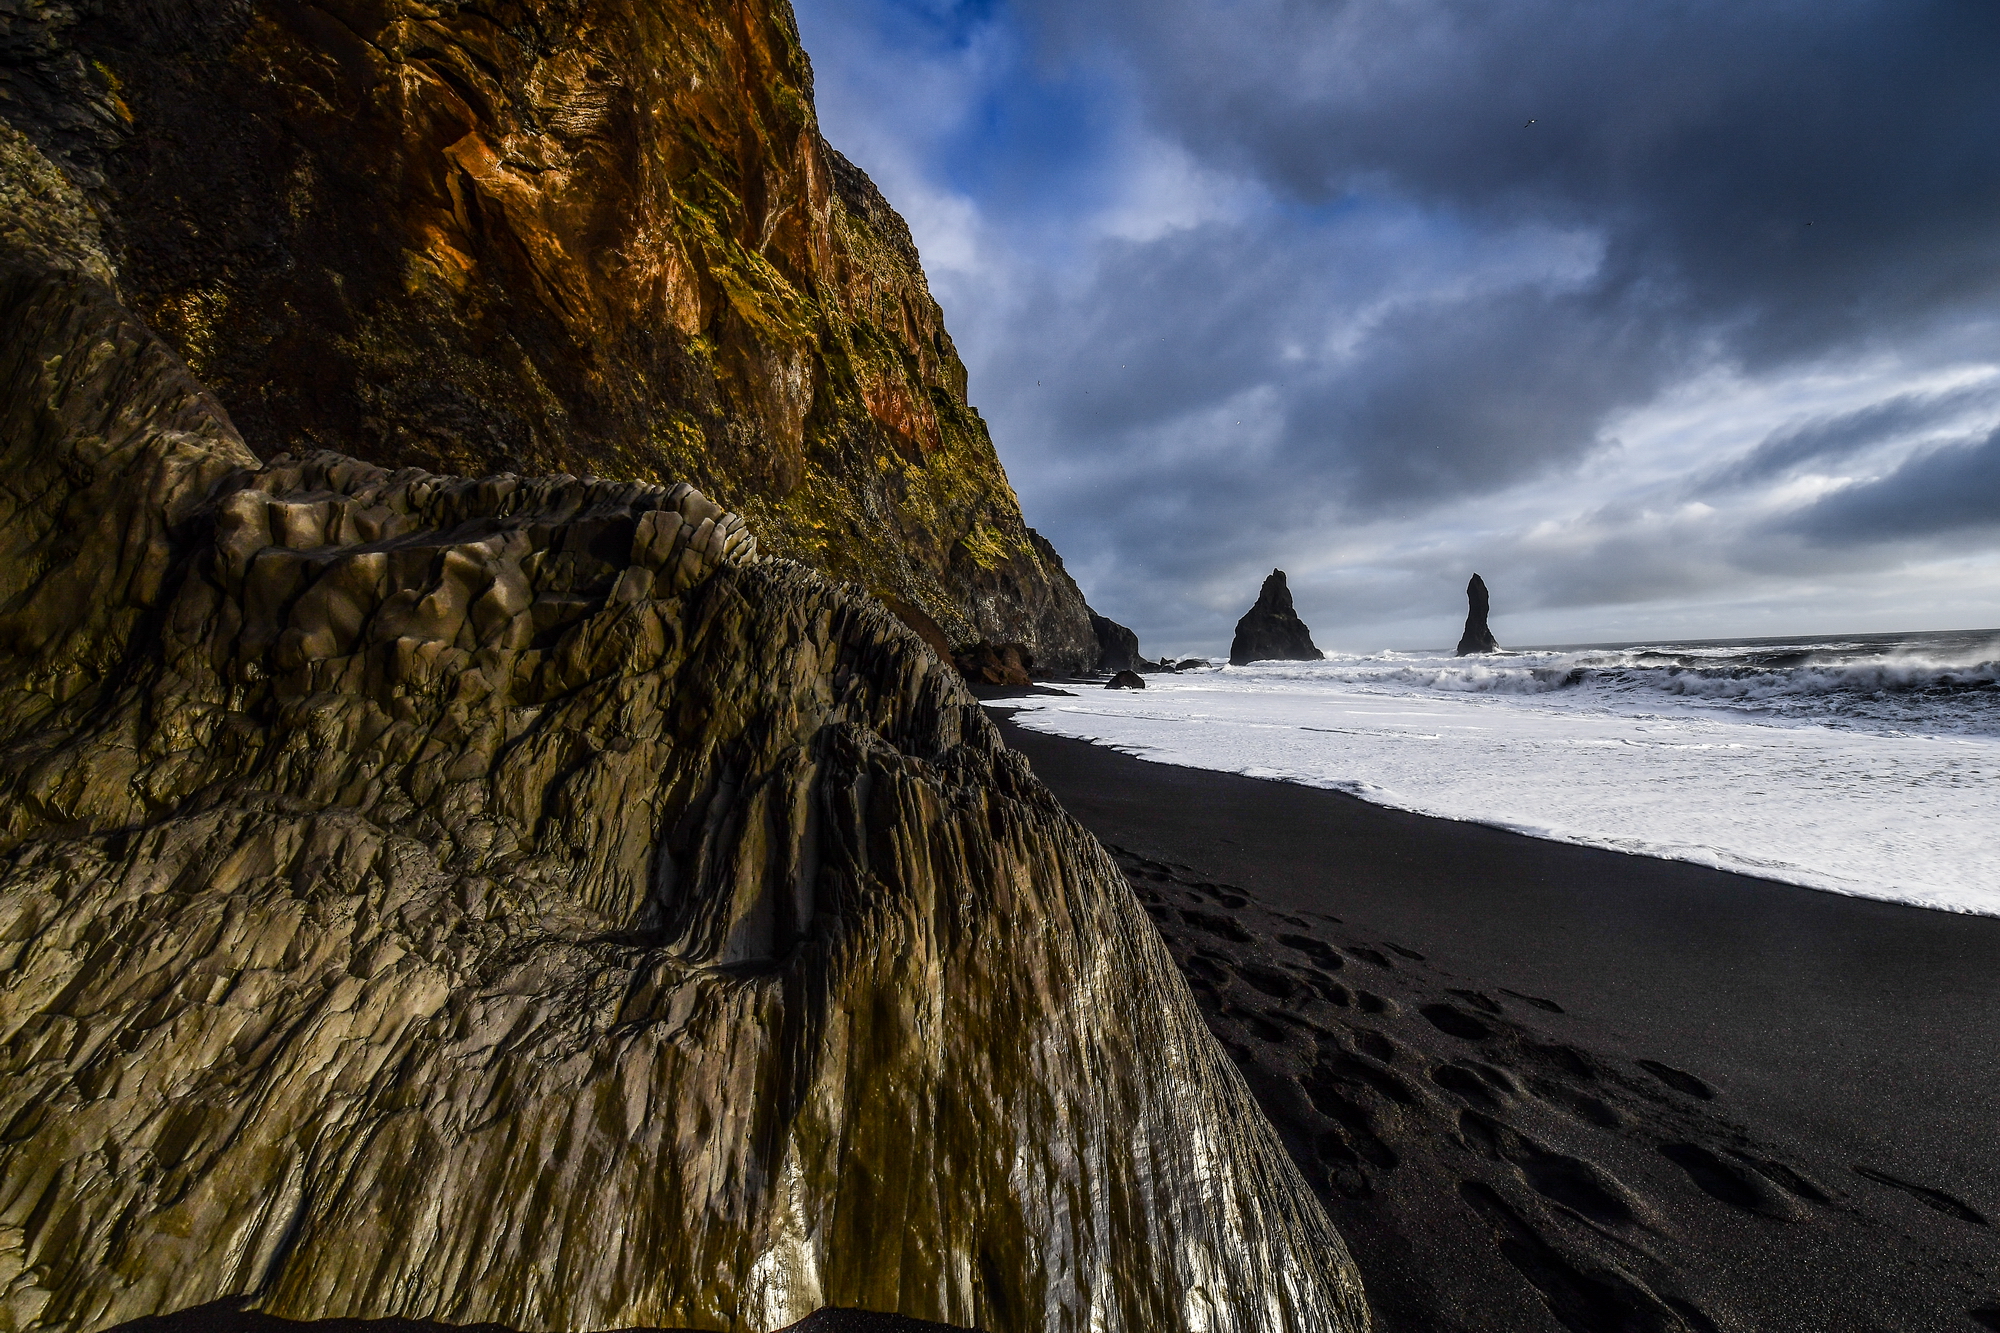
(1674, 319)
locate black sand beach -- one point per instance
(1544, 1087)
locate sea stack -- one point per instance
(1477, 637)
(1271, 631)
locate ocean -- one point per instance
(1861, 764)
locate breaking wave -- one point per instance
(1866, 765)
(1906, 684)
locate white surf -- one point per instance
(1867, 765)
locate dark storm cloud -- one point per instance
(1451, 398)
(1372, 297)
(1817, 172)
(1825, 441)
(1437, 399)
(1943, 491)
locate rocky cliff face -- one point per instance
(1271, 630)
(582, 236)
(1117, 647)
(509, 900)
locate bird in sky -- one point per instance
(1531, 120)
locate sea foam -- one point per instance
(1866, 766)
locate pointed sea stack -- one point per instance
(1477, 638)
(1271, 631)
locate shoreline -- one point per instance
(1700, 857)
(1851, 1038)
(1808, 791)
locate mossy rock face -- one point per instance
(595, 237)
(510, 900)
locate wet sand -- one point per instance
(1542, 1087)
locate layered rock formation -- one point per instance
(593, 237)
(1271, 631)
(507, 900)
(1477, 637)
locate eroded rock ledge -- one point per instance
(505, 900)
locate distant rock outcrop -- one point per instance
(996, 664)
(1271, 631)
(1477, 637)
(507, 900)
(1117, 647)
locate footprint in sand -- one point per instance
(1319, 951)
(1485, 1004)
(1577, 1185)
(1375, 1046)
(1455, 1022)
(1924, 1194)
(1277, 984)
(1217, 925)
(1583, 1292)
(1679, 1080)
(1730, 1182)
(1549, 1006)
(1475, 1082)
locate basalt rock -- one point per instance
(509, 900)
(600, 237)
(1477, 637)
(924, 627)
(996, 664)
(1126, 680)
(1117, 647)
(1271, 631)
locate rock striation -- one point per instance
(1271, 631)
(511, 900)
(595, 237)
(1477, 637)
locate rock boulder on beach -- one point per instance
(1271, 631)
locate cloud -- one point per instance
(1832, 439)
(1809, 171)
(1245, 283)
(1942, 491)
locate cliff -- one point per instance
(562, 236)
(512, 900)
